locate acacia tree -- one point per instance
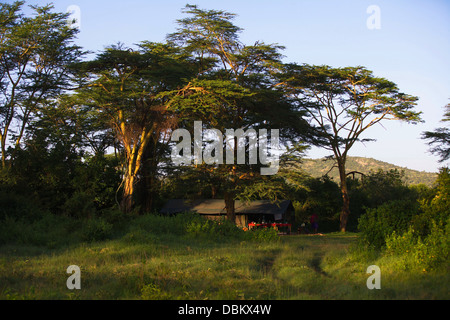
(439, 139)
(125, 88)
(236, 89)
(35, 53)
(343, 103)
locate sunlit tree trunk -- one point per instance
(128, 193)
(135, 157)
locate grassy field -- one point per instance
(144, 266)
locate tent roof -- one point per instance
(217, 207)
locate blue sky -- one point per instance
(411, 48)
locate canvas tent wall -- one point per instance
(246, 212)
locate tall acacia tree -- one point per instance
(35, 53)
(343, 103)
(235, 89)
(125, 88)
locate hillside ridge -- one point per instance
(319, 167)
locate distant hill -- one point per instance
(319, 167)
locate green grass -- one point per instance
(186, 257)
(140, 265)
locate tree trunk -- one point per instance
(134, 162)
(146, 183)
(3, 158)
(3, 147)
(345, 197)
(146, 192)
(128, 192)
(229, 207)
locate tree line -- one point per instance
(79, 133)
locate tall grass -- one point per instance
(186, 257)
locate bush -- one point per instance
(399, 244)
(50, 231)
(79, 205)
(150, 227)
(17, 206)
(378, 223)
(427, 253)
(434, 250)
(162, 225)
(418, 232)
(96, 229)
(213, 229)
(140, 236)
(265, 234)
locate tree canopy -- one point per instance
(344, 103)
(439, 140)
(35, 54)
(120, 110)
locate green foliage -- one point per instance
(35, 51)
(417, 253)
(212, 229)
(382, 221)
(79, 205)
(417, 231)
(43, 170)
(49, 231)
(439, 140)
(382, 186)
(401, 243)
(264, 235)
(154, 292)
(128, 98)
(294, 268)
(375, 189)
(321, 196)
(355, 101)
(96, 229)
(46, 229)
(53, 175)
(162, 225)
(192, 226)
(18, 206)
(233, 89)
(98, 179)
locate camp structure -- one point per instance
(247, 213)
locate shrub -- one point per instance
(79, 205)
(96, 229)
(427, 253)
(213, 229)
(18, 206)
(378, 223)
(193, 226)
(400, 244)
(50, 230)
(139, 236)
(415, 231)
(265, 234)
(434, 250)
(161, 225)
